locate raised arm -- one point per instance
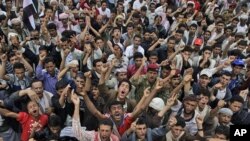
(39, 68)
(136, 76)
(2, 67)
(8, 113)
(92, 107)
(26, 64)
(170, 102)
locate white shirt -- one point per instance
(105, 12)
(137, 5)
(130, 50)
(221, 94)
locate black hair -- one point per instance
(190, 98)
(96, 61)
(141, 120)
(235, 52)
(137, 55)
(11, 54)
(194, 25)
(114, 102)
(18, 65)
(137, 36)
(35, 80)
(207, 48)
(130, 24)
(54, 121)
(106, 122)
(180, 31)
(171, 38)
(143, 8)
(222, 129)
(227, 73)
(126, 81)
(49, 59)
(187, 48)
(98, 38)
(61, 84)
(51, 26)
(237, 98)
(180, 121)
(205, 92)
(43, 47)
(153, 53)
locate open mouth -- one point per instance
(34, 111)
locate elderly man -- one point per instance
(16, 24)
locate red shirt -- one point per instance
(132, 70)
(127, 121)
(27, 120)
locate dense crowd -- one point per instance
(123, 70)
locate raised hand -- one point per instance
(88, 74)
(4, 58)
(199, 120)
(19, 55)
(221, 103)
(171, 100)
(159, 84)
(146, 92)
(33, 96)
(74, 98)
(42, 56)
(172, 121)
(217, 86)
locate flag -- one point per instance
(30, 8)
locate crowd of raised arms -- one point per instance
(123, 70)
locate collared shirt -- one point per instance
(130, 50)
(49, 81)
(83, 135)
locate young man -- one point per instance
(105, 126)
(47, 75)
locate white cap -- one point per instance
(63, 16)
(157, 104)
(244, 16)
(206, 72)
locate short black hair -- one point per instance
(96, 61)
(51, 26)
(49, 59)
(18, 65)
(137, 55)
(141, 120)
(222, 129)
(54, 121)
(126, 81)
(180, 121)
(61, 84)
(237, 98)
(106, 122)
(114, 102)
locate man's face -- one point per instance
(216, 51)
(50, 67)
(116, 111)
(192, 29)
(204, 80)
(237, 69)
(55, 129)
(207, 35)
(224, 119)
(141, 131)
(241, 47)
(138, 62)
(14, 40)
(203, 101)
(104, 6)
(98, 67)
(95, 92)
(171, 44)
(52, 32)
(99, 43)
(19, 73)
(176, 131)
(235, 106)
(189, 106)
(14, 60)
(122, 76)
(151, 75)
(137, 41)
(33, 108)
(220, 26)
(147, 36)
(224, 80)
(130, 30)
(123, 90)
(117, 33)
(175, 81)
(80, 82)
(178, 36)
(105, 132)
(38, 88)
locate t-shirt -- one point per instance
(27, 122)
